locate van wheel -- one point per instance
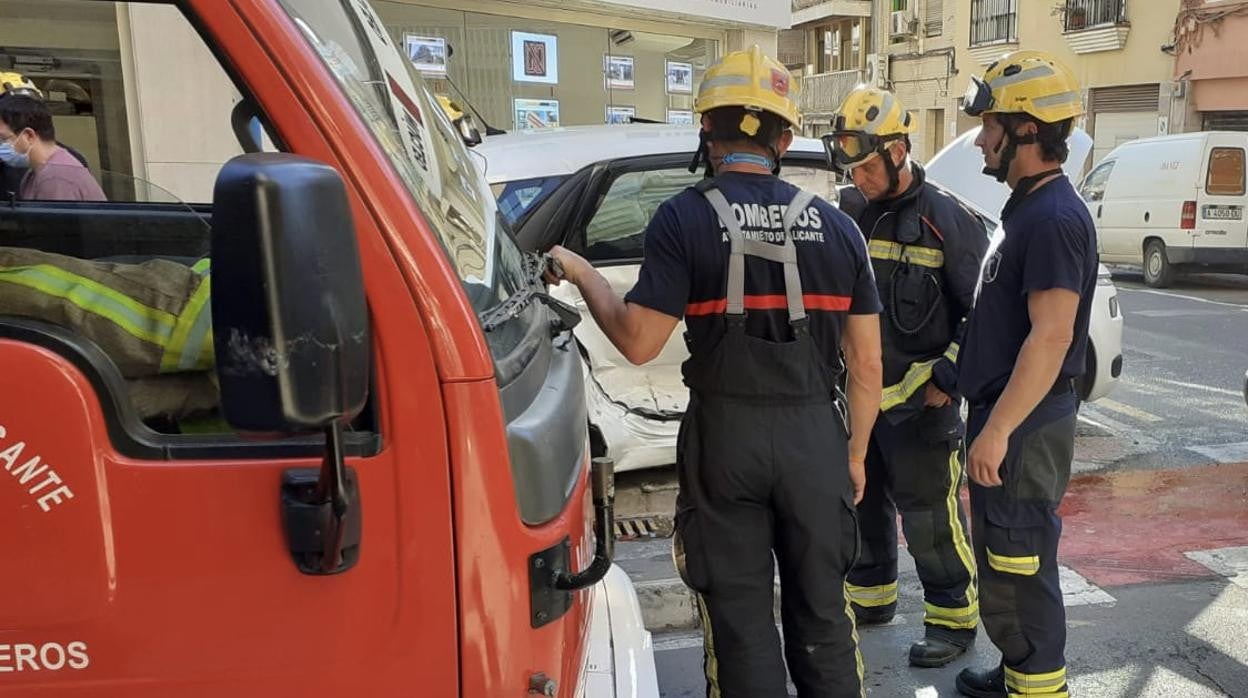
(1158, 272)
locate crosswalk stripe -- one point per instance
(1228, 562)
(1128, 410)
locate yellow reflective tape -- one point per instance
(960, 544)
(202, 266)
(185, 350)
(955, 618)
(952, 352)
(1050, 684)
(853, 631)
(1025, 566)
(708, 649)
(893, 252)
(144, 323)
(871, 597)
(902, 391)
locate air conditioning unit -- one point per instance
(877, 70)
(902, 23)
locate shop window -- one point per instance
(523, 74)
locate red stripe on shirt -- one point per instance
(813, 301)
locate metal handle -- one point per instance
(602, 480)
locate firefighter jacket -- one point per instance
(926, 249)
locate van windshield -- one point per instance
(419, 141)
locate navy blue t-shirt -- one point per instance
(685, 269)
(1050, 242)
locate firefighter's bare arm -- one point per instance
(865, 363)
(638, 332)
(1052, 314)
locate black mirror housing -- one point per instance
(290, 317)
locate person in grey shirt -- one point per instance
(28, 139)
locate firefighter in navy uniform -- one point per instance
(773, 284)
(927, 250)
(1024, 348)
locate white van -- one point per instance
(1172, 202)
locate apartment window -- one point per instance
(994, 21)
(935, 17)
(1083, 14)
(899, 5)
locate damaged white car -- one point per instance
(593, 190)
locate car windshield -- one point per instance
(419, 141)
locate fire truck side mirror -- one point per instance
(291, 334)
(290, 320)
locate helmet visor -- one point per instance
(847, 149)
(978, 98)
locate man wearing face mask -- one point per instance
(1025, 346)
(28, 142)
(926, 250)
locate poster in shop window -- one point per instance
(620, 115)
(536, 113)
(619, 71)
(534, 58)
(679, 78)
(427, 53)
(680, 117)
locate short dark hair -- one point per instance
(1051, 137)
(726, 126)
(20, 112)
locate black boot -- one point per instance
(982, 683)
(874, 615)
(940, 646)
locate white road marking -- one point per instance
(1177, 313)
(1236, 306)
(1228, 562)
(1197, 386)
(927, 692)
(1128, 410)
(1077, 591)
(1224, 453)
(1105, 421)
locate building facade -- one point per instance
(1211, 63)
(829, 47)
(1118, 49)
(918, 37)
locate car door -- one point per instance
(609, 231)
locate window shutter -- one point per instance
(935, 17)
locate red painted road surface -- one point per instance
(1133, 527)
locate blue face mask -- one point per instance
(9, 156)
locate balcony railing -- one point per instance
(1085, 14)
(994, 21)
(823, 93)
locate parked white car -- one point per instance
(1172, 202)
(593, 189)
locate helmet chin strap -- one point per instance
(894, 173)
(1007, 150)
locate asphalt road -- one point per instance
(1180, 397)
(1178, 406)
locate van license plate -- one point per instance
(1222, 213)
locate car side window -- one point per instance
(819, 181)
(1226, 172)
(617, 230)
(1093, 188)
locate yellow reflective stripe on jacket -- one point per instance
(896, 252)
(952, 352)
(190, 348)
(1025, 566)
(202, 266)
(956, 618)
(899, 393)
(1035, 684)
(871, 597)
(145, 323)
